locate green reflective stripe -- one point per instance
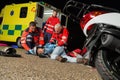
(10, 32)
(5, 27)
(18, 27)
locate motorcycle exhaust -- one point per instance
(110, 42)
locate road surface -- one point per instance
(31, 67)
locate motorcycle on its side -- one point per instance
(101, 26)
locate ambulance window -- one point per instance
(23, 12)
(40, 11)
(1, 18)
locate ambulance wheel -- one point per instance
(18, 42)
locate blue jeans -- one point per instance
(30, 44)
(47, 37)
(49, 48)
(59, 51)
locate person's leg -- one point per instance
(57, 51)
(69, 59)
(49, 48)
(79, 56)
(45, 37)
(29, 41)
(48, 36)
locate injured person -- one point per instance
(60, 55)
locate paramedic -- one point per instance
(31, 37)
(49, 26)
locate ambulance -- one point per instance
(15, 18)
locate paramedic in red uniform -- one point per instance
(49, 26)
(31, 37)
(60, 37)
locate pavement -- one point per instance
(31, 67)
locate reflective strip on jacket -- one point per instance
(50, 23)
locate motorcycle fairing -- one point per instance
(107, 18)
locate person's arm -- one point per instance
(41, 38)
(23, 41)
(64, 37)
(52, 39)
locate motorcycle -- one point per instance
(101, 26)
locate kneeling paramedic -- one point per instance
(59, 37)
(31, 37)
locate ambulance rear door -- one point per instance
(39, 15)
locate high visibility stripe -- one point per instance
(23, 38)
(29, 36)
(23, 41)
(64, 37)
(41, 38)
(49, 25)
(49, 29)
(63, 41)
(29, 40)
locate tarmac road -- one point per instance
(31, 67)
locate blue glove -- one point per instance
(31, 51)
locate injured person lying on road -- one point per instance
(58, 53)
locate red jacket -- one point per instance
(74, 53)
(61, 37)
(50, 23)
(77, 51)
(38, 38)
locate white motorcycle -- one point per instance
(101, 26)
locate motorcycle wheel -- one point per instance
(108, 64)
